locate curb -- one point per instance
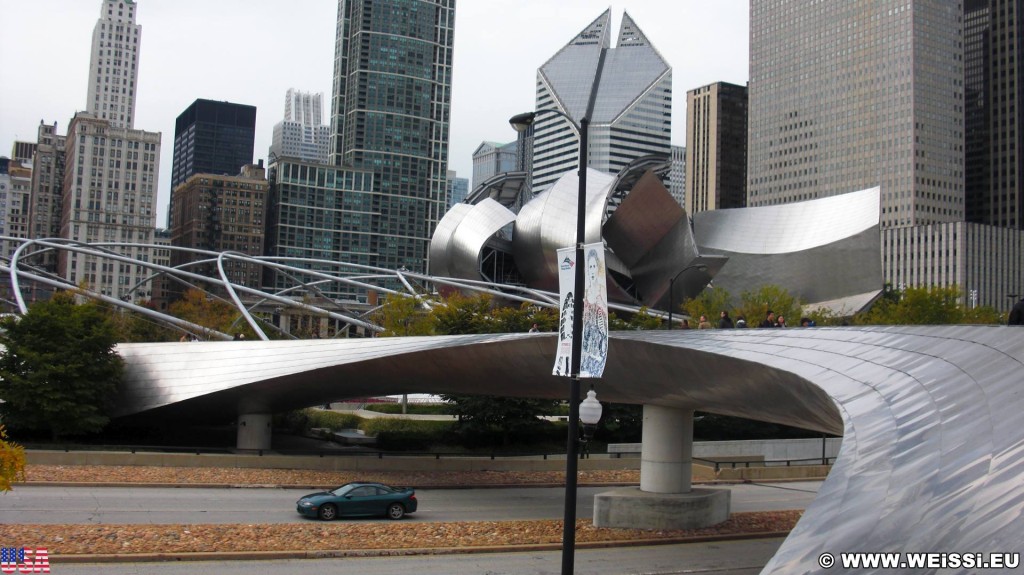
(341, 553)
(307, 486)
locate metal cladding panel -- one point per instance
(486, 219)
(788, 228)
(549, 222)
(651, 233)
(441, 243)
(643, 219)
(932, 450)
(827, 249)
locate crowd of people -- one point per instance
(726, 322)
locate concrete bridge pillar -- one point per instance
(254, 431)
(665, 498)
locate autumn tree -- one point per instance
(59, 371)
(12, 461)
(200, 308)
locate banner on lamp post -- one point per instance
(594, 351)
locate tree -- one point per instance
(639, 321)
(199, 308)
(132, 327)
(12, 461)
(476, 314)
(59, 372)
(462, 315)
(925, 306)
(755, 305)
(401, 316)
(710, 303)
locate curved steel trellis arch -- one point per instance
(20, 270)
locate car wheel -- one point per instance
(327, 512)
(396, 511)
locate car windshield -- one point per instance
(341, 491)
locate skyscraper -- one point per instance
(47, 188)
(111, 170)
(625, 91)
(212, 138)
(492, 158)
(677, 176)
(390, 115)
(302, 133)
(846, 95)
(716, 139)
(222, 213)
(109, 189)
(458, 189)
(993, 36)
(114, 64)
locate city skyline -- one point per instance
(255, 63)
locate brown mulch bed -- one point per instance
(348, 537)
(355, 535)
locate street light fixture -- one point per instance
(521, 122)
(671, 285)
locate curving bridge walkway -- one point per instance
(933, 451)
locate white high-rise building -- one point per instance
(302, 134)
(304, 107)
(625, 92)
(110, 181)
(114, 64)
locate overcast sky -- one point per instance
(252, 51)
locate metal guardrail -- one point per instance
(719, 465)
(298, 452)
(359, 452)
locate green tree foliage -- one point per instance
(710, 302)
(464, 315)
(925, 306)
(59, 372)
(754, 305)
(823, 317)
(480, 414)
(401, 316)
(12, 461)
(641, 320)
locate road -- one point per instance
(183, 505)
(720, 558)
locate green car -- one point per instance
(359, 499)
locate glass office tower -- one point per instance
(390, 116)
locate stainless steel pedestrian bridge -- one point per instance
(933, 451)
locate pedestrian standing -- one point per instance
(724, 321)
(1017, 314)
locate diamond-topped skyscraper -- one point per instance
(625, 91)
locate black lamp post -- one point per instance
(521, 122)
(671, 291)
